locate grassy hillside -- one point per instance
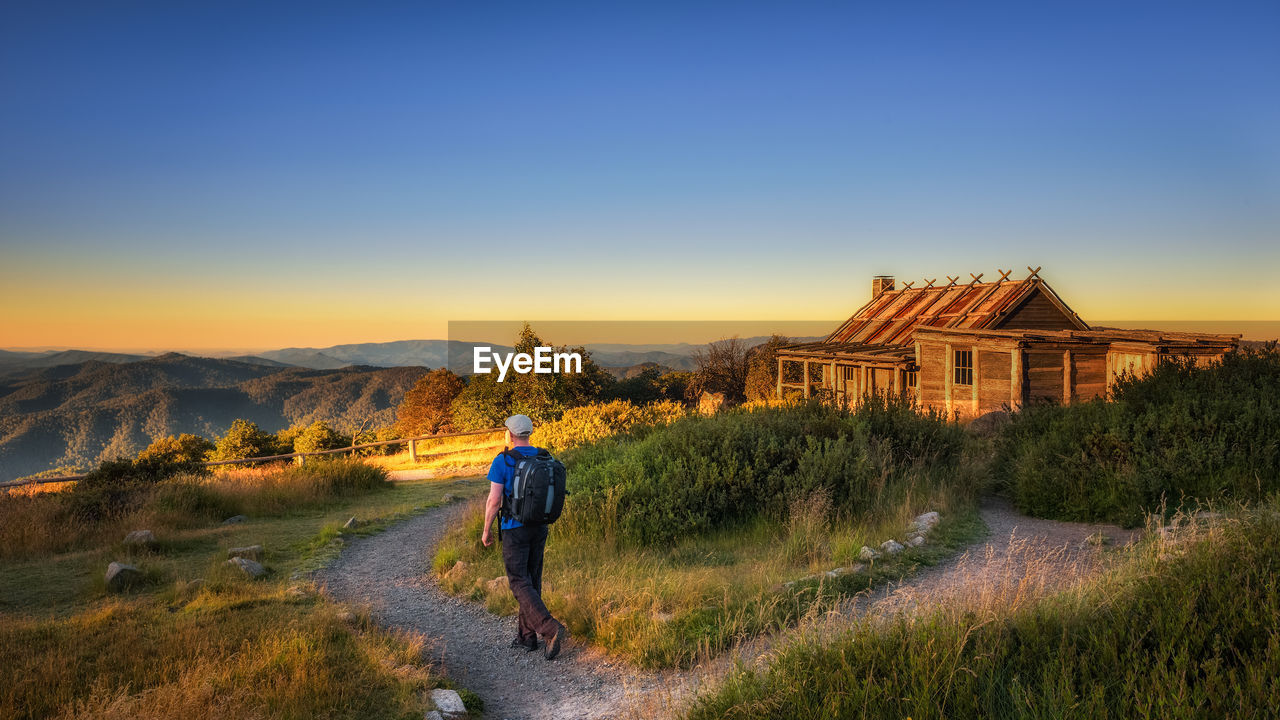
(1184, 627)
(194, 637)
(78, 415)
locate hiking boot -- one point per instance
(554, 642)
(531, 644)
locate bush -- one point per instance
(700, 473)
(183, 448)
(591, 423)
(1182, 434)
(319, 436)
(244, 440)
(117, 487)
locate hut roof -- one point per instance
(891, 316)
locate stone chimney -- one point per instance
(879, 284)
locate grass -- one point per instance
(1184, 625)
(618, 576)
(678, 605)
(455, 456)
(197, 639)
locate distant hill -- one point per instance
(17, 363)
(86, 412)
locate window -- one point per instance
(964, 367)
(851, 373)
(909, 378)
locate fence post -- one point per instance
(413, 451)
(299, 460)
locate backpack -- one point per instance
(537, 490)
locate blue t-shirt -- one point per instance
(503, 472)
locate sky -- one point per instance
(256, 175)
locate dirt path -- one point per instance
(390, 572)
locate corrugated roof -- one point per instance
(891, 317)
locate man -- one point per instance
(522, 547)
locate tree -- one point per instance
(485, 402)
(762, 368)
(318, 436)
(426, 408)
(722, 368)
(244, 439)
(185, 448)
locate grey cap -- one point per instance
(519, 425)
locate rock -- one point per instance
(448, 702)
(497, 584)
(234, 519)
(193, 586)
(352, 523)
(867, 554)
(248, 567)
(924, 523)
(710, 403)
(140, 538)
(250, 552)
(836, 572)
(433, 715)
(296, 592)
(891, 547)
(447, 499)
(346, 616)
(458, 570)
(988, 424)
(121, 576)
(916, 541)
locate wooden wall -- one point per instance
(1037, 313)
(1044, 375)
(933, 366)
(994, 371)
(1090, 370)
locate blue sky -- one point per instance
(322, 173)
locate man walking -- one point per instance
(522, 546)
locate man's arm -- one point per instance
(491, 507)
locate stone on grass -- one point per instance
(448, 702)
(234, 519)
(891, 547)
(867, 554)
(141, 538)
(498, 584)
(916, 541)
(459, 569)
(350, 524)
(248, 567)
(447, 499)
(924, 523)
(249, 552)
(433, 715)
(121, 576)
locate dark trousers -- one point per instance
(522, 550)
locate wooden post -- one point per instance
(1066, 377)
(806, 378)
(834, 379)
(948, 376)
(897, 381)
(413, 451)
(299, 460)
(1015, 380)
(780, 361)
(976, 380)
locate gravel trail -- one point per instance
(390, 573)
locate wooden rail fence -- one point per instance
(414, 456)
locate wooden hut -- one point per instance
(970, 348)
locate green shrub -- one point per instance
(699, 473)
(244, 439)
(117, 487)
(1189, 633)
(1182, 434)
(183, 448)
(592, 423)
(319, 436)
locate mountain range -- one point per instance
(83, 413)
